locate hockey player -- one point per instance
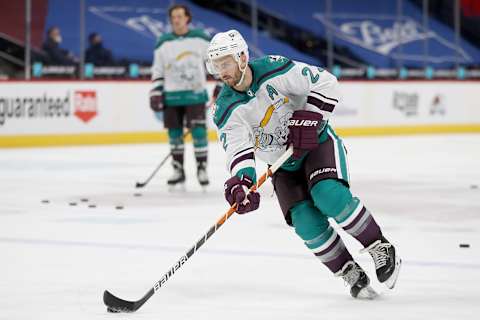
(179, 81)
(268, 104)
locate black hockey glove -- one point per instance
(303, 133)
(156, 101)
(236, 191)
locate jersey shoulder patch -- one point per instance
(194, 33)
(164, 38)
(267, 67)
(227, 101)
(199, 33)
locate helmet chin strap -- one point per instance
(243, 73)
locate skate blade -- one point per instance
(390, 282)
(178, 187)
(367, 293)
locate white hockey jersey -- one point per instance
(178, 68)
(255, 123)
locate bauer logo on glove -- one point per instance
(304, 123)
(303, 135)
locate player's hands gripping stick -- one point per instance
(236, 191)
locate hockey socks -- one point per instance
(334, 199)
(200, 143)
(356, 220)
(324, 242)
(177, 147)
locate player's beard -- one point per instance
(231, 81)
(228, 81)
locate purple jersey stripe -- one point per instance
(242, 151)
(241, 158)
(224, 115)
(286, 65)
(325, 96)
(320, 104)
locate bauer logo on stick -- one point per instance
(170, 273)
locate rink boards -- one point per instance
(47, 113)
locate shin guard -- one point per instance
(200, 143)
(334, 200)
(324, 242)
(177, 147)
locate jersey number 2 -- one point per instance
(306, 71)
(223, 138)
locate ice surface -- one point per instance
(56, 259)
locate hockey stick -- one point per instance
(143, 184)
(115, 304)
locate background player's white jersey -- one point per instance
(255, 122)
(179, 67)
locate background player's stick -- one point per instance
(143, 184)
(115, 304)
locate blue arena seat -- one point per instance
(130, 28)
(370, 30)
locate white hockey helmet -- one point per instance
(223, 44)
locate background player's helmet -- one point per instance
(223, 44)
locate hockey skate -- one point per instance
(387, 262)
(202, 174)
(357, 279)
(177, 180)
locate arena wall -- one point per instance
(50, 113)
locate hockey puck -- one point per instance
(84, 200)
(112, 310)
(45, 201)
(137, 194)
(92, 205)
(464, 245)
(119, 207)
(73, 203)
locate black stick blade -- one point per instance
(115, 304)
(139, 185)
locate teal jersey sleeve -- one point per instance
(233, 134)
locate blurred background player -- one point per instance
(179, 90)
(268, 104)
